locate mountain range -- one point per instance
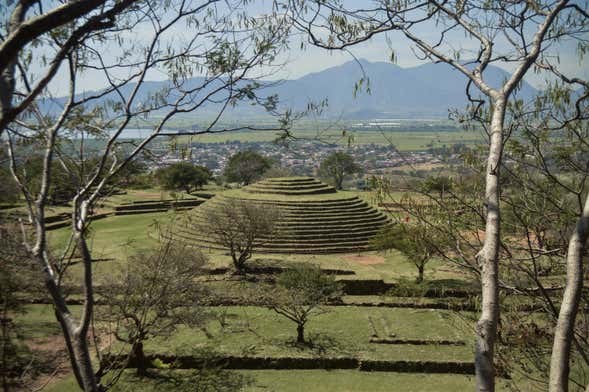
(424, 91)
(427, 90)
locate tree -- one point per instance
(184, 176)
(24, 27)
(152, 295)
(240, 226)
(223, 44)
(300, 293)
(440, 184)
(548, 207)
(532, 35)
(8, 188)
(134, 174)
(17, 273)
(246, 167)
(62, 188)
(417, 242)
(337, 166)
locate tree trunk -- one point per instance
(488, 258)
(420, 269)
(84, 363)
(5, 343)
(139, 359)
(79, 355)
(76, 333)
(301, 334)
(7, 78)
(239, 265)
(564, 332)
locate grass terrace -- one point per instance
(314, 218)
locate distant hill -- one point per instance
(427, 90)
(424, 91)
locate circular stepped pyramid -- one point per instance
(314, 218)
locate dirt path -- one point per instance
(54, 360)
(365, 259)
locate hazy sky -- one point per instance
(299, 62)
(312, 59)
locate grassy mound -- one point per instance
(314, 217)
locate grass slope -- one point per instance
(306, 380)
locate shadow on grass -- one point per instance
(206, 379)
(320, 345)
(433, 288)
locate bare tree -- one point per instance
(519, 34)
(544, 196)
(223, 46)
(240, 226)
(549, 209)
(152, 295)
(24, 24)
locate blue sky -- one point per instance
(297, 62)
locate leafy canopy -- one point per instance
(246, 166)
(338, 165)
(183, 176)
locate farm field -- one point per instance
(404, 141)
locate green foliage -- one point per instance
(64, 181)
(337, 166)
(246, 166)
(9, 192)
(159, 364)
(300, 291)
(17, 274)
(133, 175)
(417, 242)
(183, 176)
(440, 184)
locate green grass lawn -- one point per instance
(394, 266)
(114, 238)
(259, 332)
(242, 194)
(341, 332)
(307, 380)
(38, 322)
(156, 194)
(119, 237)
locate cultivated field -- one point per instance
(404, 141)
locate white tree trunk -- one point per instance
(488, 258)
(564, 331)
(75, 332)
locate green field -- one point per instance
(257, 332)
(118, 237)
(113, 239)
(343, 331)
(404, 141)
(307, 380)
